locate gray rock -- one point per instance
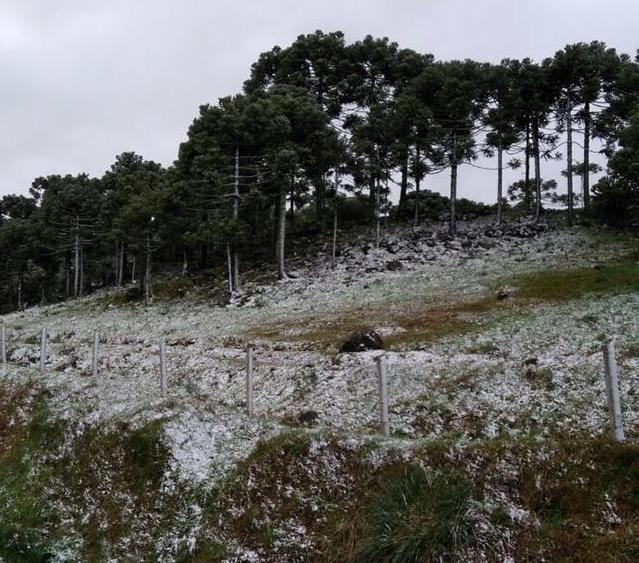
(360, 341)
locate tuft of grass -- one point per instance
(630, 350)
(485, 347)
(542, 377)
(417, 518)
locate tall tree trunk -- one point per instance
(404, 182)
(67, 275)
(378, 213)
(233, 254)
(230, 268)
(122, 268)
(185, 263)
(147, 272)
(586, 182)
(417, 182)
(334, 245)
(452, 226)
(81, 269)
(19, 293)
(76, 245)
(280, 245)
(537, 157)
(372, 198)
(500, 179)
(571, 205)
(116, 264)
(527, 194)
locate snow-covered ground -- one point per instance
(475, 384)
(469, 385)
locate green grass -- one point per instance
(206, 551)
(110, 481)
(24, 473)
(398, 512)
(416, 518)
(559, 285)
(431, 508)
(119, 469)
(569, 493)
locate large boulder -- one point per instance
(362, 340)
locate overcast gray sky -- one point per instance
(83, 81)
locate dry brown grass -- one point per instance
(417, 322)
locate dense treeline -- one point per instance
(315, 122)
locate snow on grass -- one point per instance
(441, 389)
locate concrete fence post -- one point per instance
(96, 343)
(43, 350)
(3, 349)
(163, 373)
(383, 395)
(612, 390)
(249, 381)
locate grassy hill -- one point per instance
(499, 447)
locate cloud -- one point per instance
(84, 81)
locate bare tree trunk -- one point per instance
(404, 182)
(116, 264)
(234, 262)
(122, 264)
(372, 186)
(67, 275)
(334, 248)
(571, 203)
(133, 271)
(19, 293)
(500, 180)
(185, 263)
(147, 273)
(76, 245)
(586, 171)
(537, 170)
(453, 189)
(229, 263)
(280, 245)
(417, 182)
(81, 269)
(378, 214)
(527, 195)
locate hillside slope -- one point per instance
(498, 447)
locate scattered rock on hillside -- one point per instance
(503, 294)
(308, 417)
(360, 341)
(24, 356)
(394, 265)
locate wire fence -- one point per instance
(95, 348)
(37, 354)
